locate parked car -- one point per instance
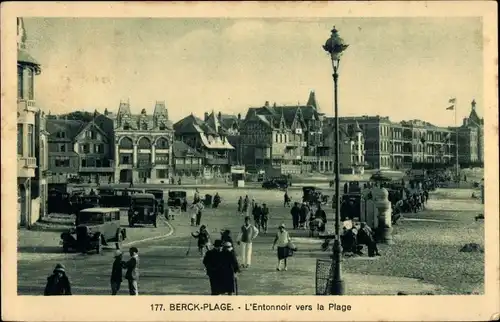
(96, 227)
(275, 184)
(143, 209)
(161, 197)
(177, 199)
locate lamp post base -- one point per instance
(337, 286)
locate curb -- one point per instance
(172, 230)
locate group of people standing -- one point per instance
(304, 216)
(58, 283)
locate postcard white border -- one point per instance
(99, 308)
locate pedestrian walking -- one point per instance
(58, 283)
(203, 238)
(132, 274)
(246, 201)
(229, 270)
(256, 213)
(226, 236)
(283, 241)
(264, 218)
(304, 212)
(286, 201)
(295, 212)
(212, 262)
(240, 204)
(199, 212)
(245, 238)
(117, 272)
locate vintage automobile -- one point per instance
(80, 202)
(96, 227)
(161, 197)
(143, 209)
(177, 199)
(117, 197)
(312, 195)
(274, 183)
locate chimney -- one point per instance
(206, 116)
(266, 104)
(106, 112)
(219, 116)
(274, 105)
(239, 116)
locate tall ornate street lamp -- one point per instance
(335, 46)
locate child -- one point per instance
(203, 239)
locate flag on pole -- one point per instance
(451, 101)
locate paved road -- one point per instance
(165, 268)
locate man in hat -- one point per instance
(132, 274)
(58, 283)
(116, 272)
(246, 236)
(212, 262)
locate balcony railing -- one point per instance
(26, 105)
(26, 162)
(95, 169)
(217, 161)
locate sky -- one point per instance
(404, 68)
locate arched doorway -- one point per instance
(125, 176)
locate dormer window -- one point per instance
(126, 126)
(162, 127)
(144, 126)
(61, 135)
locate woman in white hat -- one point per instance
(282, 240)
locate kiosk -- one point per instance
(238, 175)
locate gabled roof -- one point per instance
(213, 122)
(71, 128)
(89, 126)
(311, 101)
(193, 124)
(181, 150)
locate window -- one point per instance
(31, 140)
(161, 173)
(126, 126)
(61, 135)
(88, 134)
(62, 162)
(162, 127)
(84, 148)
(125, 159)
(98, 148)
(144, 126)
(62, 148)
(20, 82)
(84, 162)
(31, 84)
(20, 139)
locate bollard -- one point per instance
(384, 229)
